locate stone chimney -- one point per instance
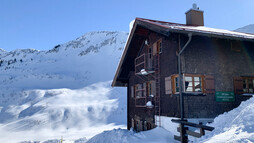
(194, 16)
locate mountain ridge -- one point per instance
(65, 90)
(246, 29)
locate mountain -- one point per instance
(64, 91)
(246, 29)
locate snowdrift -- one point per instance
(52, 114)
(234, 126)
(157, 135)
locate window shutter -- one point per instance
(238, 85)
(168, 85)
(132, 91)
(155, 48)
(209, 84)
(144, 89)
(132, 123)
(153, 88)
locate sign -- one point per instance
(221, 96)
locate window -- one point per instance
(149, 88)
(150, 52)
(176, 83)
(243, 85)
(150, 60)
(157, 47)
(192, 84)
(248, 83)
(139, 90)
(132, 91)
(143, 90)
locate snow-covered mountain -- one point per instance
(246, 29)
(64, 91)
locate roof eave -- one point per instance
(224, 36)
(116, 83)
(165, 31)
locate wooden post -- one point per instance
(184, 138)
(202, 131)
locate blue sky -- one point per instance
(42, 24)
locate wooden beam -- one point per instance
(193, 124)
(141, 31)
(178, 129)
(177, 138)
(194, 134)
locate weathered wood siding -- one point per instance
(211, 56)
(204, 55)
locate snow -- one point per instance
(209, 30)
(131, 25)
(246, 29)
(63, 92)
(157, 135)
(149, 104)
(2, 51)
(236, 125)
(151, 95)
(201, 29)
(143, 72)
(167, 124)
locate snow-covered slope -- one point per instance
(234, 126)
(62, 92)
(157, 135)
(246, 29)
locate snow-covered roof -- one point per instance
(167, 27)
(199, 29)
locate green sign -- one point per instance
(221, 96)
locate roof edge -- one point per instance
(114, 82)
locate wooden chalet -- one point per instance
(217, 68)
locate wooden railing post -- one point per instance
(184, 131)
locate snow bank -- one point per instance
(157, 135)
(234, 126)
(50, 114)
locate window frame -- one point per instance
(139, 92)
(193, 83)
(175, 83)
(246, 79)
(159, 46)
(148, 88)
(146, 91)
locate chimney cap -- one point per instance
(194, 7)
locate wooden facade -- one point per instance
(212, 65)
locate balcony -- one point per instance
(144, 64)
